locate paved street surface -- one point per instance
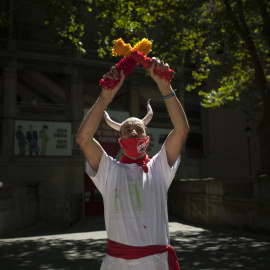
(82, 247)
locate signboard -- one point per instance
(40, 138)
(157, 138)
(108, 138)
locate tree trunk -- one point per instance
(263, 131)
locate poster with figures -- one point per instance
(41, 138)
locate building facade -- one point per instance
(44, 93)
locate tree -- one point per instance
(228, 41)
(53, 21)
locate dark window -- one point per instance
(194, 145)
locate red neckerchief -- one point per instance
(126, 252)
(140, 161)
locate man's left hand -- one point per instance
(161, 66)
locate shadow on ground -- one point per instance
(196, 248)
(53, 254)
(209, 250)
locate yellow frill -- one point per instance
(120, 48)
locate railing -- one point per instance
(164, 120)
(159, 119)
(239, 189)
(36, 47)
(73, 209)
(41, 48)
(51, 50)
(25, 110)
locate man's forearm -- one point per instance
(175, 109)
(85, 137)
(177, 137)
(91, 121)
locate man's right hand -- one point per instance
(113, 74)
(85, 137)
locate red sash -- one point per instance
(126, 252)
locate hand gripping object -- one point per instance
(133, 57)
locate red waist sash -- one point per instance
(126, 252)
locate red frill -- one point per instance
(146, 63)
(127, 64)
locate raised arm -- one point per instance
(85, 137)
(178, 135)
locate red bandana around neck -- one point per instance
(140, 161)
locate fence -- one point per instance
(73, 209)
(43, 111)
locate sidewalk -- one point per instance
(48, 246)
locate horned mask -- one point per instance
(117, 126)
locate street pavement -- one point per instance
(82, 247)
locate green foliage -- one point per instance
(68, 17)
(226, 40)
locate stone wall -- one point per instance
(20, 205)
(35, 189)
(242, 204)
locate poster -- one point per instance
(41, 138)
(157, 138)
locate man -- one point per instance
(135, 189)
(32, 138)
(21, 140)
(44, 139)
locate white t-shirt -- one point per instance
(135, 207)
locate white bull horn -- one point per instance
(149, 114)
(111, 123)
(117, 126)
